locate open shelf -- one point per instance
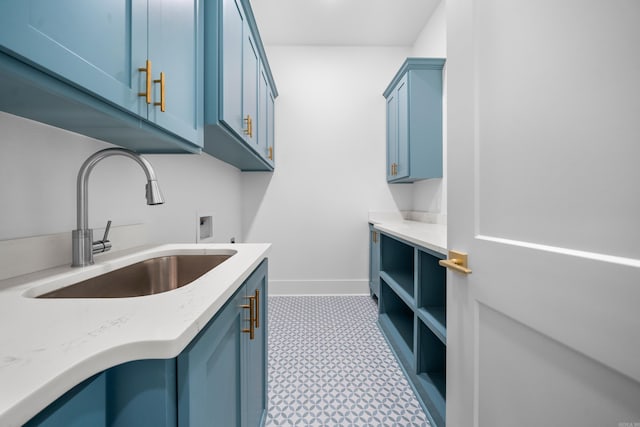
(397, 260)
(431, 371)
(399, 290)
(413, 318)
(432, 293)
(396, 318)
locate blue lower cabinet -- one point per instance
(220, 379)
(255, 378)
(210, 370)
(83, 405)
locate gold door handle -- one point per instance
(374, 236)
(249, 129)
(257, 312)
(251, 306)
(270, 153)
(457, 261)
(161, 103)
(147, 69)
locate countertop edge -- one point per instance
(429, 236)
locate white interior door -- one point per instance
(543, 152)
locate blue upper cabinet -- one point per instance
(414, 121)
(176, 48)
(224, 85)
(96, 46)
(250, 65)
(265, 118)
(238, 124)
(83, 66)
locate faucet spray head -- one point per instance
(153, 194)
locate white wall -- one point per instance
(330, 163)
(38, 169)
(430, 195)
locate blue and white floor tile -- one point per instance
(330, 366)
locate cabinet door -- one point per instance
(263, 109)
(265, 117)
(97, 46)
(402, 170)
(392, 134)
(374, 261)
(231, 69)
(271, 149)
(250, 88)
(175, 49)
(210, 371)
(255, 351)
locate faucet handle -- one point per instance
(105, 238)
(103, 245)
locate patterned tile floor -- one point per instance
(329, 365)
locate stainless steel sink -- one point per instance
(152, 276)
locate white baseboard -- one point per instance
(318, 287)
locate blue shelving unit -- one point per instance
(413, 318)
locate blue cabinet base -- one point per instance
(140, 393)
(219, 379)
(412, 318)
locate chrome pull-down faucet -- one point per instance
(83, 246)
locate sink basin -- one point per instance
(152, 276)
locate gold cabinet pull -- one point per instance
(251, 306)
(374, 236)
(147, 69)
(161, 103)
(457, 261)
(270, 153)
(257, 313)
(249, 129)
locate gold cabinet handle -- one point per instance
(249, 129)
(374, 236)
(147, 69)
(251, 306)
(270, 153)
(161, 103)
(457, 261)
(257, 312)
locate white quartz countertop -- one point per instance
(47, 346)
(430, 236)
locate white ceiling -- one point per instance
(342, 22)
